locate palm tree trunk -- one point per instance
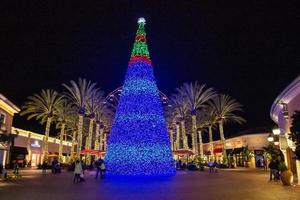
(47, 131)
(200, 143)
(171, 139)
(184, 137)
(79, 136)
(101, 139)
(222, 142)
(88, 143)
(211, 145)
(177, 136)
(194, 134)
(73, 143)
(61, 136)
(97, 143)
(104, 141)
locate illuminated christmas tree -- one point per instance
(139, 144)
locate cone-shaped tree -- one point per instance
(139, 144)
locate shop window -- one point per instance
(2, 118)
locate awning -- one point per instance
(92, 152)
(237, 150)
(183, 152)
(19, 150)
(217, 150)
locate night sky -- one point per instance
(249, 50)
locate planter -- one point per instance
(286, 177)
(247, 164)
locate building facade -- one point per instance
(283, 108)
(235, 146)
(7, 111)
(28, 147)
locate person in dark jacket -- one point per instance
(273, 169)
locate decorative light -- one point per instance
(276, 131)
(139, 144)
(276, 143)
(270, 138)
(141, 20)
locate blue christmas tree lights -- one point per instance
(139, 144)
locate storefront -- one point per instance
(254, 140)
(32, 147)
(283, 108)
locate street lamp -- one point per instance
(276, 131)
(270, 138)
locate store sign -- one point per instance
(36, 144)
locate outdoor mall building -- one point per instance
(283, 108)
(28, 148)
(7, 111)
(254, 139)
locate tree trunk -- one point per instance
(200, 143)
(73, 143)
(47, 131)
(79, 136)
(88, 143)
(222, 142)
(177, 136)
(61, 136)
(194, 134)
(171, 139)
(104, 141)
(183, 134)
(97, 143)
(101, 139)
(211, 145)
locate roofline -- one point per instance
(245, 135)
(285, 96)
(8, 105)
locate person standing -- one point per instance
(98, 167)
(273, 170)
(77, 171)
(44, 168)
(102, 170)
(16, 167)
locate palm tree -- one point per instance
(43, 107)
(202, 123)
(170, 116)
(79, 94)
(64, 112)
(181, 110)
(196, 95)
(225, 109)
(97, 97)
(104, 116)
(211, 119)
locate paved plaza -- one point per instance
(226, 184)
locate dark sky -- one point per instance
(249, 50)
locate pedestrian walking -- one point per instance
(77, 171)
(16, 168)
(273, 170)
(98, 167)
(102, 170)
(44, 167)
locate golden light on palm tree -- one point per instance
(79, 94)
(225, 109)
(196, 96)
(43, 107)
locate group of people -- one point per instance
(79, 170)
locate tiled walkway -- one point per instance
(229, 184)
